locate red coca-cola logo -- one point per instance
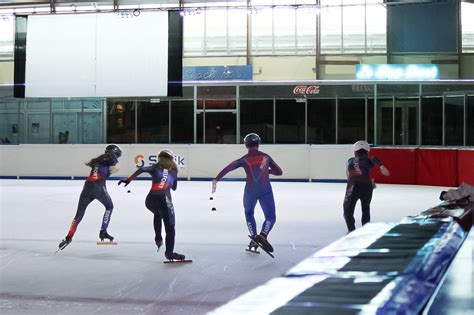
(306, 89)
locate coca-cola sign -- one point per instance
(306, 89)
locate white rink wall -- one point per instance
(196, 161)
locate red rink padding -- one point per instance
(436, 167)
(401, 162)
(465, 169)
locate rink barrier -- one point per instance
(300, 163)
(381, 268)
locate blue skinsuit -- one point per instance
(258, 166)
(359, 186)
(95, 188)
(159, 201)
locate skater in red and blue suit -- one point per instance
(258, 166)
(359, 184)
(94, 188)
(164, 176)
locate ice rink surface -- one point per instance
(130, 278)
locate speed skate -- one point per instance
(176, 261)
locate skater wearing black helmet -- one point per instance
(94, 188)
(258, 166)
(164, 176)
(359, 184)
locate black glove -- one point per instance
(125, 181)
(441, 196)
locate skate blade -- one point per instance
(252, 251)
(259, 245)
(107, 243)
(171, 261)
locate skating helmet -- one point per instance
(359, 145)
(114, 149)
(166, 153)
(252, 140)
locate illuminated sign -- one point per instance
(397, 72)
(142, 160)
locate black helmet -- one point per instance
(114, 149)
(252, 140)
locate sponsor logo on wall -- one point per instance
(147, 160)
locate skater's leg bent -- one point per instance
(267, 202)
(152, 202)
(249, 207)
(167, 213)
(106, 201)
(365, 199)
(350, 201)
(84, 201)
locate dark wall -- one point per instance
(428, 27)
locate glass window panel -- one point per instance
(351, 120)
(385, 121)
(370, 120)
(153, 122)
(257, 116)
(454, 120)
(7, 36)
(406, 121)
(306, 30)
(92, 128)
(193, 34)
(65, 128)
(290, 121)
(376, 21)
(331, 26)
(93, 104)
(120, 121)
(285, 30)
(262, 32)
(431, 120)
(237, 25)
(216, 31)
(322, 121)
(467, 24)
(353, 26)
(39, 128)
(470, 120)
(9, 128)
(220, 127)
(39, 105)
(182, 121)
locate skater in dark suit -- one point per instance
(258, 166)
(94, 188)
(359, 184)
(164, 176)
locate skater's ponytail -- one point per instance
(167, 163)
(96, 160)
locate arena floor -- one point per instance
(130, 278)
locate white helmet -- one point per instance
(361, 145)
(166, 153)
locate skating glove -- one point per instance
(125, 181)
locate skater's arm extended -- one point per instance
(274, 169)
(229, 168)
(383, 169)
(134, 175)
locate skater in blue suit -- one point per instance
(359, 184)
(164, 177)
(258, 166)
(94, 188)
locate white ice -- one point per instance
(130, 278)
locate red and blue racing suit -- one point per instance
(258, 166)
